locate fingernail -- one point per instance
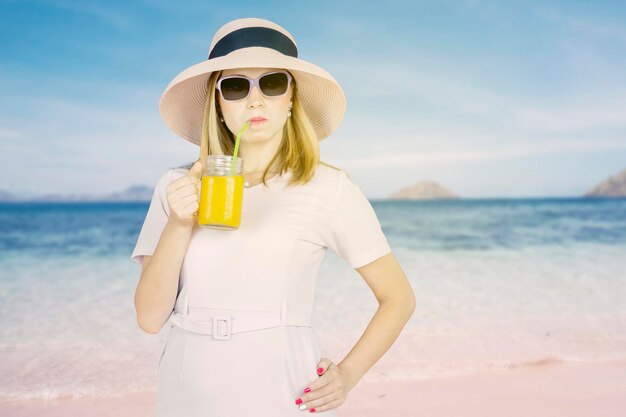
(303, 407)
(320, 370)
(307, 389)
(298, 401)
(312, 410)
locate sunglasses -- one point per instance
(238, 87)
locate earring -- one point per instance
(222, 119)
(289, 113)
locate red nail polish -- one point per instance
(320, 370)
(307, 389)
(298, 401)
(312, 410)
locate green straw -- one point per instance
(232, 162)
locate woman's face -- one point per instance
(273, 109)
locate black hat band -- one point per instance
(254, 36)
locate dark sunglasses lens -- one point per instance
(235, 88)
(274, 84)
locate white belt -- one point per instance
(221, 323)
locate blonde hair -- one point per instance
(298, 152)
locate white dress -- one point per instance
(240, 341)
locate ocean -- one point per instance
(499, 284)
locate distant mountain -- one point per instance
(423, 190)
(614, 186)
(132, 193)
(8, 196)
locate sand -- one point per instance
(550, 389)
(544, 390)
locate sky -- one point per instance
(487, 98)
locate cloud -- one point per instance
(394, 80)
(528, 148)
(465, 107)
(588, 113)
(9, 133)
(69, 128)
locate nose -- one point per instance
(255, 98)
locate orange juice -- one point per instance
(221, 198)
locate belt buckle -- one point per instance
(226, 320)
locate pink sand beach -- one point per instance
(545, 388)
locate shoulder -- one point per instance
(336, 177)
(331, 172)
(324, 177)
(333, 182)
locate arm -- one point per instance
(157, 289)
(396, 302)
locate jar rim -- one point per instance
(223, 156)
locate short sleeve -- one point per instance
(155, 221)
(352, 229)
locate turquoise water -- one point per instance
(101, 229)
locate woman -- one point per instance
(239, 303)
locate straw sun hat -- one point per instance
(250, 43)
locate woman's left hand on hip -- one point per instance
(329, 391)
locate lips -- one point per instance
(257, 119)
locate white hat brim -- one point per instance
(182, 103)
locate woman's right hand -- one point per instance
(183, 196)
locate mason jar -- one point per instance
(221, 192)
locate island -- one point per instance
(423, 190)
(614, 186)
(134, 193)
